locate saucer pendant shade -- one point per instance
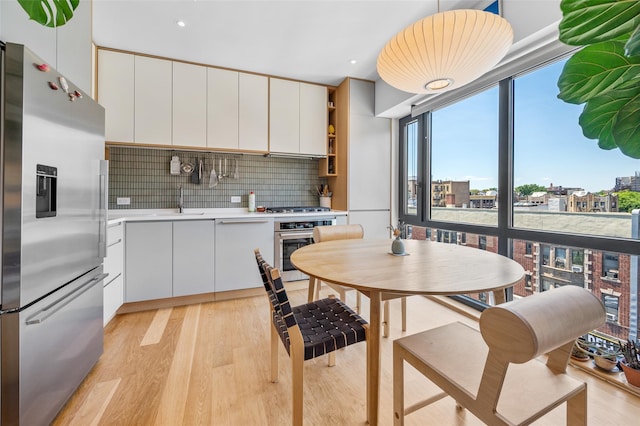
(445, 51)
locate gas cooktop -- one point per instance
(297, 209)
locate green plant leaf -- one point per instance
(595, 70)
(600, 115)
(626, 129)
(632, 48)
(592, 21)
(51, 13)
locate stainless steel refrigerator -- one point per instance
(53, 206)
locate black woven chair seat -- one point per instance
(326, 325)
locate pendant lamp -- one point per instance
(445, 51)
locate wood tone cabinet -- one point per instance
(284, 116)
(168, 259)
(189, 105)
(363, 158)
(328, 166)
(298, 117)
(116, 94)
(152, 109)
(253, 112)
(113, 265)
(222, 108)
(235, 266)
(193, 257)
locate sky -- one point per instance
(549, 145)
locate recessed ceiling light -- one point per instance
(353, 61)
(180, 23)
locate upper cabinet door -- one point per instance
(189, 105)
(116, 94)
(153, 82)
(222, 108)
(284, 118)
(253, 112)
(313, 119)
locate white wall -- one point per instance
(67, 48)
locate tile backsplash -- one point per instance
(142, 175)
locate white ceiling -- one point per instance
(308, 40)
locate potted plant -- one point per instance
(397, 246)
(631, 364)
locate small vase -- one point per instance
(397, 246)
(632, 375)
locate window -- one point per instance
(611, 307)
(528, 248)
(564, 228)
(410, 167)
(610, 265)
(546, 255)
(457, 171)
(561, 258)
(482, 242)
(550, 151)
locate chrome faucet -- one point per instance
(181, 199)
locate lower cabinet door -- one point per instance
(148, 261)
(193, 257)
(236, 239)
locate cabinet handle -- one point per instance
(234, 222)
(119, 240)
(113, 279)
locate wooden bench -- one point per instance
(496, 374)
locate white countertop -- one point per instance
(132, 215)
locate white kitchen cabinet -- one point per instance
(222, 108)
(284, 116)
(148, 261)
(153, 100)
(193, 257)
(235, 265)
(313, 119)
(189, 105)
(116, 94)
(253, 112)
(113, 265)
(298, 118)
(374, 222)
(169, 259)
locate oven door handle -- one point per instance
(296, 235)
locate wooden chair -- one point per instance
(495, 373)
(307, 331)
(349, 232)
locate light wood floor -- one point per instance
(208, 364)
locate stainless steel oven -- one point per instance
(290, 235)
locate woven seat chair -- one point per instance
(350, 232)
(306, 331)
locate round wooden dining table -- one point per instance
(427, 268)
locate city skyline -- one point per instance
(549, 148)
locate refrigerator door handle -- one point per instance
(46, 312)
(104, 202)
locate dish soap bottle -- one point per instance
(252, 202)
(175, 165)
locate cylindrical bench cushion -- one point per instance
(529, 327)
(337, 232)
